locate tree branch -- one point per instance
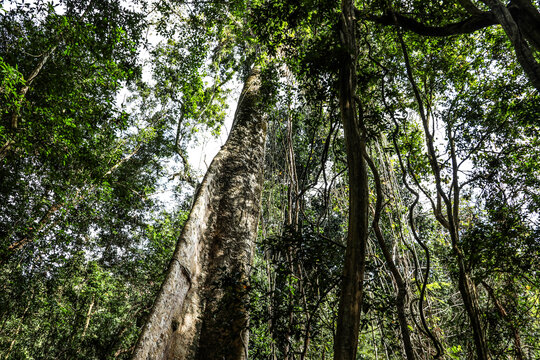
(475, 22)
(524, 54)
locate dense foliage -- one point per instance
(101, 100)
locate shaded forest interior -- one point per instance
(377, 197)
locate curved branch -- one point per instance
(425, 327)
(476, 22)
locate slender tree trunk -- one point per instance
(466, 285)
(88, 316)
(400, 282)
(201, 309)
(350, 304)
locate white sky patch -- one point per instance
(200, 155)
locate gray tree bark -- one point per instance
(201, 310)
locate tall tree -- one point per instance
(201, 310)
(350, 305)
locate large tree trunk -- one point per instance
(350, 303)
(201, 310)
